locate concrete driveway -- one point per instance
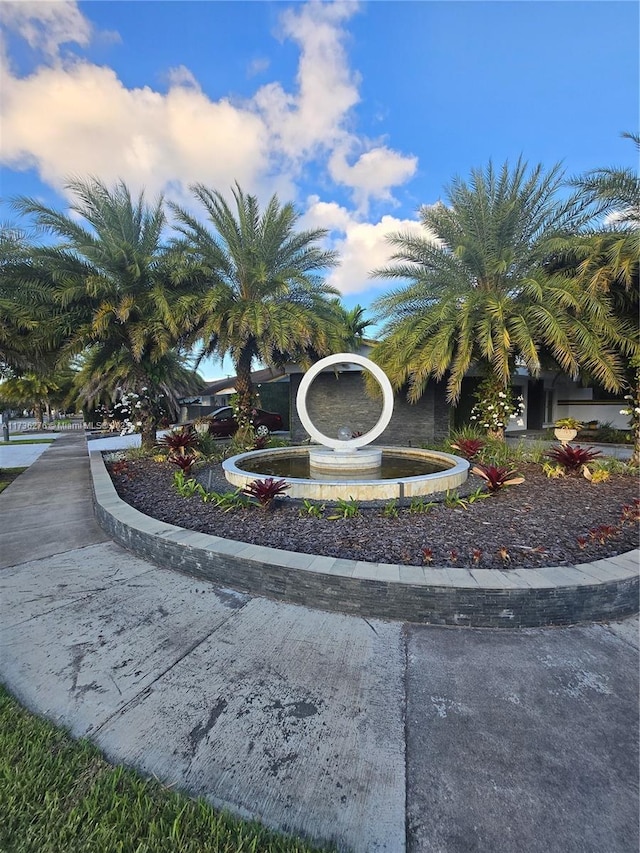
(378, 736)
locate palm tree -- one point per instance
(27, 311)
(480, 293)
(608, 253)
(119, 289)
(607, 257)
(261, 294)
(354, 323)
(31, 391)
(104, 376)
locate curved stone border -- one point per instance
(360, 489)
(387, 407)
(561, 595)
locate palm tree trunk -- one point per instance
(37, 411)
(635, 420)
(148, 439)
(244, 387)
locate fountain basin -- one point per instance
(443, 471)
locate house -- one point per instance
(217, 394)
(337, 398)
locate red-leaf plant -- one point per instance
(266, 490)
(572, 457)
(496, 476)
(179, 441)
(469, 447)
(184, 461)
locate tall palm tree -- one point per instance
(118, 287)
(27, 311)
(262, 297)
(607, 257)
(608, 251)
(31, 390)
(480, 293)
(354, 323)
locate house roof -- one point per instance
(228, 384)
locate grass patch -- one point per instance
(27, 441)
(58, 794)
(8, 475)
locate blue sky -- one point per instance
(357, 112)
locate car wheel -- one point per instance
(262, 431)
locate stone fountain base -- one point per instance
(454, 472)
(365, 462)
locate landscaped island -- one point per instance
(562, 520)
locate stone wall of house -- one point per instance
(340, 399)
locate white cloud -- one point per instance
(82, 121)
(181, 76)
(327, 88)
(79, 119)
(373, 174)
(257, 66)
(47, 26)
(362, 246)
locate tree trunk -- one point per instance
(148, 439)
(37, 410)
(635, 420)
(244, 387)
(148, 433)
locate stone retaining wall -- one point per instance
(599, 591)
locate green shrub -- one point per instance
(420, 506)
(209, 447)
(390, 509)
(309, 509)
(345, 509)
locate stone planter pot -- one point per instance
(564, 436)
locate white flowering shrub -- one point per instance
(495, 407)
(126, 415)
(243, 418)
(632, 410)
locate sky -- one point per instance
(357, 112)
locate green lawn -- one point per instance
(57, 794)
(8, 475)
(27, 441)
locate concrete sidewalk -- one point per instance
(20, 454)
(374, 735)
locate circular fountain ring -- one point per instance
(340, 469)
(362, 440)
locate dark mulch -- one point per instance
(541, 522)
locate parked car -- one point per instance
(223, 423)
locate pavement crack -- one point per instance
(369, 624)
(72, 601)
(621, 639)
(115, 684)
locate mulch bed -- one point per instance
(541, 522)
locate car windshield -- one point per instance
(223, 414)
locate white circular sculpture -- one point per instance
(342, 469)
(346, 454)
